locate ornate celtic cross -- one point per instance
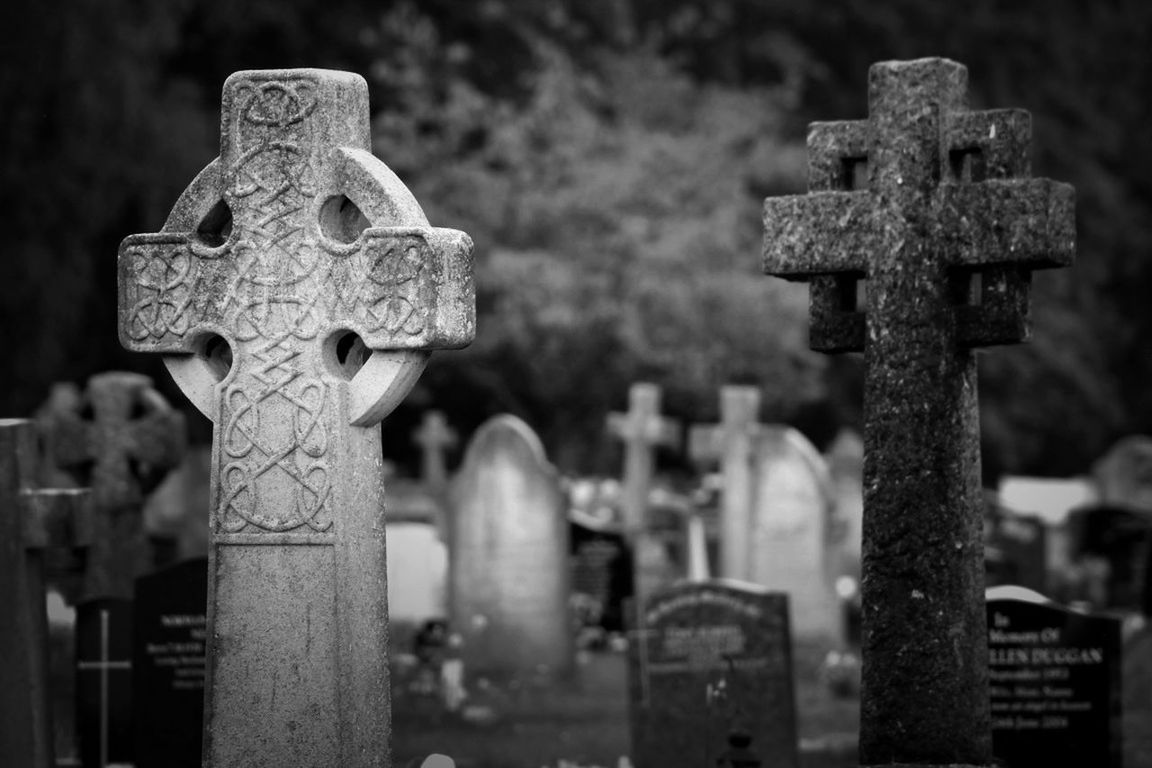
(295, 291)
(944, 230)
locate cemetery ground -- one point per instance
(586, 721)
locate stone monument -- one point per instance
(296, 291)
(945, 233)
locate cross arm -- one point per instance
(1028, 223)
(157, 275)
(993, 144)
(54, 518)
(820, 233)
(416, 290)
(824, 238)
(158, 438)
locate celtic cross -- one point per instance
(132, 440)
(930, 205)
(296, 291)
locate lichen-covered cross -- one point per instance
(946, 197)
(295, 291)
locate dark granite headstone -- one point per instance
(1016, 551)
(707, 660)
(168, 659)
(1054, 683)
(602, 569)
(104, 681)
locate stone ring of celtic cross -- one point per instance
(300, 247)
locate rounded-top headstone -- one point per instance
(510, 581)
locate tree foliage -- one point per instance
(609, 158)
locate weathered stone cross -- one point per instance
(947, 197)
(131, 441)
(731, 442)
(641, 429)
(286, 262)
(31, 520)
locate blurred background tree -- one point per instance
(609, 157)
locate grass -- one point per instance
(586, 722)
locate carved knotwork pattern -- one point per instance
(274, 427)
(163, 289)
(275, 288)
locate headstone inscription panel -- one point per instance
(168, 660)
(707, 659)
(1054, 683)
(104, 681)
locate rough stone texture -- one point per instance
(509, 576)
(31, 521)
(706, 660)
(787, 538)
(730, 441)
(288, 261)
(641, 429)
(947, 196)
(120, 437)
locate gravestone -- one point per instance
(1124, 474)
(295, 292)
(1054, 683)
(730, 442)
(845, 459)
(121, 438)
(32, 520)
(509, 555)
(1016, 551)
(696, 540)
(943, 237)
(602, 570)
(104, 707)
(417, 573)
(641, 429)
(435, 438)
(706, 660)
(787, 542)
(168, 665)
(1137, 699)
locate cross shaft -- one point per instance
(946, 197)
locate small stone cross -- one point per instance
(641, 429)
(731, 442)
(31, 521)
(132, 440)
(434, 438)
(296, 291)
(945, 233)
